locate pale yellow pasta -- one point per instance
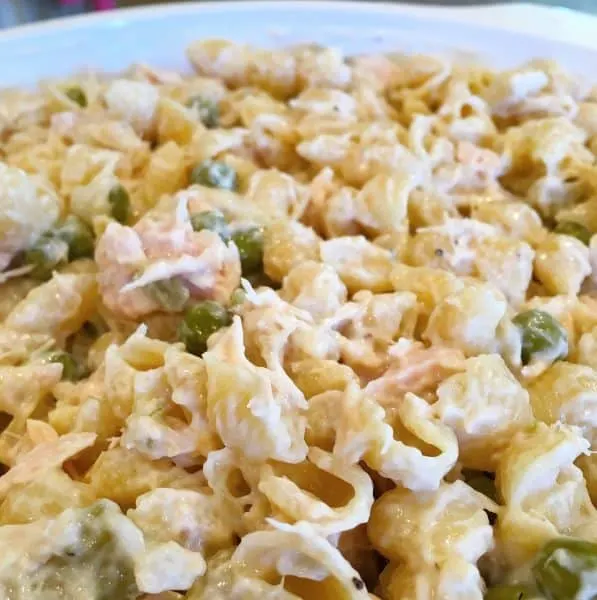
(431, 285)
(476, 249)
(276, 194)
(449, 246)
(166, 173)
(287, 244)
(45, 497)
(57, 308)
(295, 557)
(544, 493)
(238, 391)
(133, 102)
(455, 579)
(360, 264)
(234, 481)
(316, 288)
(12, 292)
(294, 325)
(513, 218)
(17, 346)
(123, 475)
(323, 491)
(367, 431)
(485, 405)
(195, 520)
(324, 415)
(583, 212)
(507, 264)
(565, 393)
(562, 264)
(175, 122)
(430, 527)
(468, 320)
(369, 326)
(315, 376)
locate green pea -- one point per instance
(213, 220)
(77, 95)
(560, 565)
(511, 592)
(541, 333)
(250, 247)
(120, 203)
(71, 370)
(200, 321)
(580, 232)
(207, 110)
(481, 482)
(46, 255)
(214, 174)
(79, 237)
(171, 294)
(97, 555)
(238, 297)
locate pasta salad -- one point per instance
(299, 326)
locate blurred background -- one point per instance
(15, 12)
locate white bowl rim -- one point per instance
(522, 17)
(510, 33)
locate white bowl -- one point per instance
(506, 34)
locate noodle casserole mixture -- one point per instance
(299, 326)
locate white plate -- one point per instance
(505, 35)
